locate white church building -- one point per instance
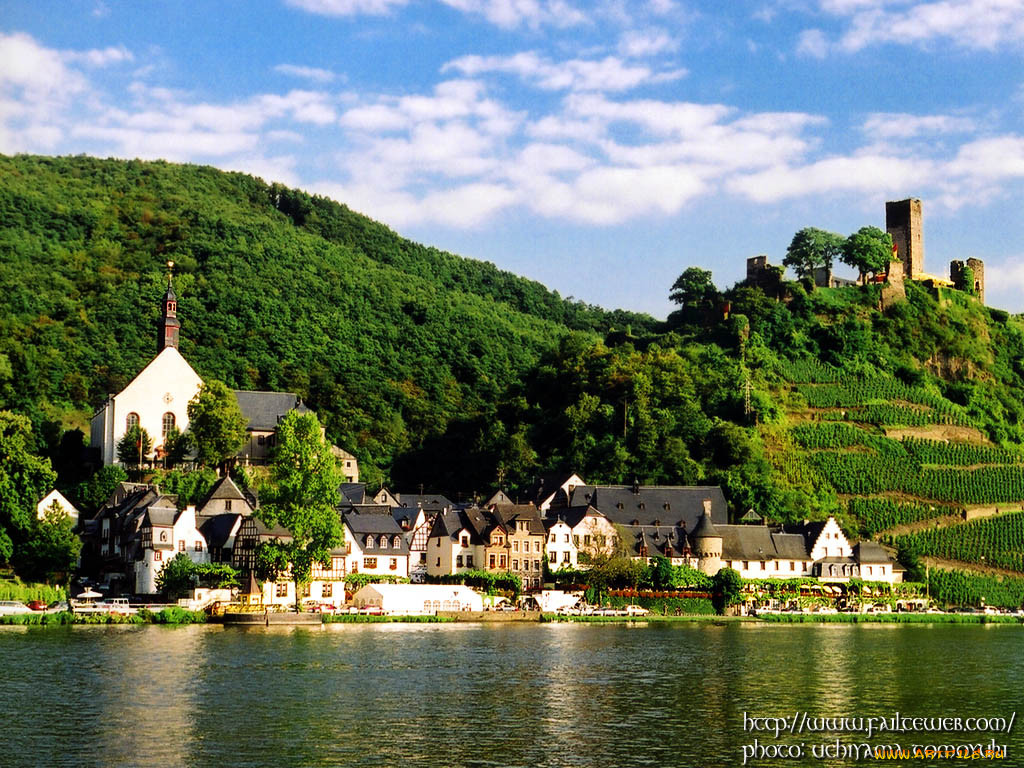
(157, 400)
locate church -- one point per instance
(157, 400)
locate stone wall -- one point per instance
(958, 274)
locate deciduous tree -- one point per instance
(302, 496)
(216, 424)
(24, 479)
(812, 249)
(868, 250)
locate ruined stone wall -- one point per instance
(958, 272)
(903, 221)
(979, 278)
(894, 289)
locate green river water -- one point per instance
(486, 695)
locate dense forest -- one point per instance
(450, 373)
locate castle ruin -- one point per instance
(903, 222)
(969, 277)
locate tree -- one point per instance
(177, 445)
(180, 576)
(302, 496)
(50, 551)
(725, 586)
(24, 479)
(91, 494)
(216, 424)
(134, 447)
(694, 288)
(661, 572)
(868, 250)
(812, 249)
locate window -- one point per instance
(536, 546)
(199, 546)
(490, 562)
(458, 561)
(501, 563)
(396, 543)
(181, 545)
(227, 505)
(869, 570)
(515, 546)
(469, 561)
(536, 565)
(567, 538)
(393, 565)
(464, 540)
(132, 420)
(369, 542)
(163, 536)
(168, 423)
(552, 557)
(369, 562)
(158, 556)
(304, 590)
(439, 562)
(423, 557)
(327, 590)
(554, 537)
(281, 589)
(261, 440)
(586, 540)
(746, 565)
(515, 565)
(565, 557)
(762, 565)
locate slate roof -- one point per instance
(790, 546)
(668, 505)
(870, 552)
(352, 493)
(706, 529)
(572, 516)
(216, 529)
(449, 522)
(376, 522)
(263, 410)
(225, 488)
(508, 514)
(163, 511)
(430, 501)
(660, 540)
(745, 542)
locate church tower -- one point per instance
(169, 324)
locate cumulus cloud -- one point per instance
(890, 125)
(650, 42)
(314, 74)
(346, 7)
(510, 14)
(812, 43)
(608, 74)
(973, 24)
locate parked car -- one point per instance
(321, 608)
(57, 606)
(37, 605)
(12, 607)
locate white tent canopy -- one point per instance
(418, 599)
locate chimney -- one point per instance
(707, 507)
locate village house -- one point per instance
(525, 537)
(374, 543)
(455, 544)
(576, 535)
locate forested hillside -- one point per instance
(903, 421)
(385, 338)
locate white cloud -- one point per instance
(812, 43)
(890, 125)
(100, 57)
(308, 73)
(347, 7)
(607, 74)
(975, 24)
(510, 14)
(989, 160)
(24, 64)
(650, 42)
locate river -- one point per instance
(487, 695)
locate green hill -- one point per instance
(385, 338)
(447, 372)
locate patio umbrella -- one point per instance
(89, 594)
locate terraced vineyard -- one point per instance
(899, 482)
(996, 542)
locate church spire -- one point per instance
(169, 323)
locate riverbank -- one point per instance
(650, 618)
(888, 618)
(170, 615)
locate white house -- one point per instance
(418, 599)
(374, 543)
(455, 544)
(56, 499)
(163, 533)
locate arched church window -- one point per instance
(132, 420)
(168, 423)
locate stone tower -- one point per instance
(169, 326)
(707, 543)
(958, 274)
(903, 223)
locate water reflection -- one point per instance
(454, 695)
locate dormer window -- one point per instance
(396, 543)
(635, 522)
(369, 542)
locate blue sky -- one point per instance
(600, 147)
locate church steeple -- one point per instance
(169, 323)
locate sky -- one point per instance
(599, 147)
